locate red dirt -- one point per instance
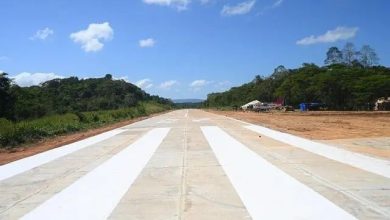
(321, 125)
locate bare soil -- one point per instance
(327, 125)
(9, 155)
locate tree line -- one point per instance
(60, 96)
(365, 57)
(349, 80)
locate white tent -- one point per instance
(252, 103)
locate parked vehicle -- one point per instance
(314, 106)
(382, 104)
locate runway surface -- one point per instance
(191, 164)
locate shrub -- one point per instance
(16, 133)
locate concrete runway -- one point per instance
(190, 164)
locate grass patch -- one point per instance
(13, 134)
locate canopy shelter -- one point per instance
(250, 104)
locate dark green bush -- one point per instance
(16, 133)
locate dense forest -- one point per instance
(61, 106)
(349, 80)
(59, 96)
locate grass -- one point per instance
(13, 134)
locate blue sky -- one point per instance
(181, 48)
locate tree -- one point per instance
(333, 56)
(349, 53)
(368, 56)
(279, 72)
(60, 96)
(257, 79)
(108, 76)
(6, 100)
(280, 69)
(339, 86)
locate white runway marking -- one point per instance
(370, 164)
(201, 120)
(266, 191)
(20, 166)
(168, 121)
(96, 194)
(186, 114)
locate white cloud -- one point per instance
(42, 34)
(224, 83)
(125, 78)
(178, 4)
(340, 33)
(149, 42)
(31, 79)
(1, 71)
(203, 2)
(277, 3)
(199, 83)
(239, 9)
(168, 84)
(92, 37)
(144, 83)
(222, 86)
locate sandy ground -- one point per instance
(321, 125)
(361, 132)
(26, 150)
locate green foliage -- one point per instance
(366, 57)
(6, 101)
(16, 133)
(69, 95)
(339, 86)
(333, 56)
(61, 106)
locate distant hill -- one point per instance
(180, 101)
(59, 96)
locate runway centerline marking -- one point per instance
(28, 163)
(370, 164)
(266, 191)
(95, 195)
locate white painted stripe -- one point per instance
(266, 191)
(370, 164)
(201, 120)
(168, 121)
(28, 163)
(95, 195)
